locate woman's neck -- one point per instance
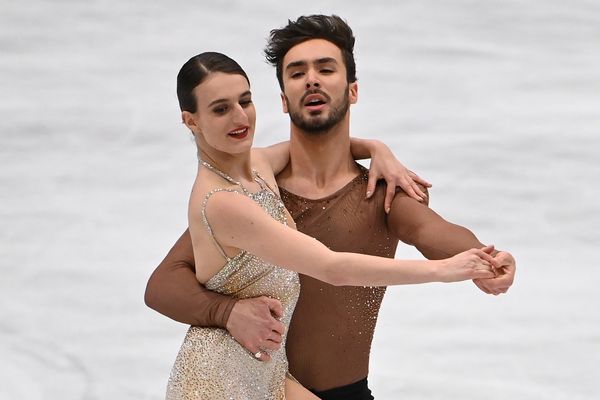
(237, 166)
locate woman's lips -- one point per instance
(239, 133)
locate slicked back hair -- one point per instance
(196, 70)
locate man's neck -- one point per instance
(320, 163)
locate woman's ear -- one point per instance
(189, 120)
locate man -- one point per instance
(329, 339)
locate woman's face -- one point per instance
(225, 117)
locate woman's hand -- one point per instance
(384, 165)
(505, 277)
(470, 264)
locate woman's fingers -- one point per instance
(418, 179)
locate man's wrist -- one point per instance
(225, 312)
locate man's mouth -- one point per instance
(239, 133)
(315, 102)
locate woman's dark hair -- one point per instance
(195, 71)
(329, 27)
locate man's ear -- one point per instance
(353, 92)
(190, 121)
(283, 103)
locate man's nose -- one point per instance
(312, 80)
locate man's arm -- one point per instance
(174, 291)
(416, 224)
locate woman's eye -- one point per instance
(245, 103)
(220, 110)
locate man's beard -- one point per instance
(318, 125)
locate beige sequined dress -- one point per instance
(210, 363)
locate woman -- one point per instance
(244, 244)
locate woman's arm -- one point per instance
(436, 238)
(239, 222)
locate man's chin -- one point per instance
(316, 122)
(316, 128)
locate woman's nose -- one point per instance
(239, 116)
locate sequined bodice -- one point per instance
(246, 275)
(211, 364)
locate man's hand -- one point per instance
(385, 165)
(504, 280)
(253, 324)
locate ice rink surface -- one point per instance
(496, 103)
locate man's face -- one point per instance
(316, 92)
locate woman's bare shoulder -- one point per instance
(262, 165)
(206, 184)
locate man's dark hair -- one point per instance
(331, 28)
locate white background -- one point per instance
(496, 103)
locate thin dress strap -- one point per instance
(207, 224)
(229, 179)
(263, 183)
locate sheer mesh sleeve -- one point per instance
(174, 291)
(416, 224)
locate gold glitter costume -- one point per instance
(210, 363)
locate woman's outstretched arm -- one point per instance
(239, 222)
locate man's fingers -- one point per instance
(278, 327)
(264, 356)
(493, 286)
(275, 337)
(271, 345)
(259, 354)
(275, 307)
(481, 287)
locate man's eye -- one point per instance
(326, 71)
(297, 74)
